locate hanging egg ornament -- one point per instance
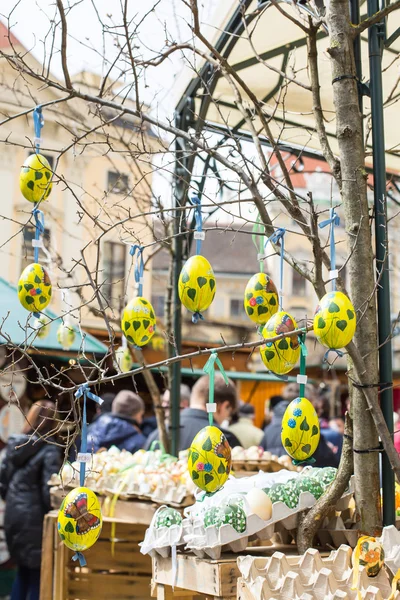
(35, 178)
(138, 322)
(261, 299)
(65, 335)
(335, 320)
(124, 359)
(167, 516)
(79, 519)
(34, 288)
(42, 326)
(196, 285)
(281, 356)
(300, 429)
(209, 460)
(369, 554)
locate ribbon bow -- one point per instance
(139, 266)
(209, 369)
(38, 122)
(333, 220)
(279, 235)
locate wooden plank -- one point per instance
(47, 566)
(127, 558)
(164, 592)
(103, 586)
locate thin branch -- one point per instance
(64, 62)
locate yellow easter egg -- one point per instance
(79, 519)
(280, 356)
(34, 288)
(42, 326)
(196, 284)
(300, 429)
(369, 554)
(335, 320)
(124, 359)
(209, 460)
(261, 299)
(35, 178)
(138, 321)
(65, 335)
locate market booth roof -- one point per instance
(16, 328)
(261, 44)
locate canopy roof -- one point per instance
(256, 38)
(16, 326)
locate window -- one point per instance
(237, 308)
(298, 284)
(27, 248)
(158, 303)
(117, 183)
(114, 266)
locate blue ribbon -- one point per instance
(338, 352)
(139, 266)
(38, 122)
(196, 316)
(333, 220)
(79, 556)
(196, 201)
(39, 222)
(84, 391)
(277, 236)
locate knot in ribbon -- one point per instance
(196, 316)
(79, 557)
(137, 249)
(38, 122)
(209, 369)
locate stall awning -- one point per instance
(16, 327)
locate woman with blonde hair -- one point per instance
(30, 459)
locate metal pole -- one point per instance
(375, 45)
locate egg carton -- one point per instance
(334, 532)
(161, 540)
(310, 577)
(390, 541)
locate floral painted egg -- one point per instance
(167, 516)
(34, 288)
(79, 519)
(196, 285)
(35, 178)
(124, 359)
(300, 429)
(209, 460)
(369, 554)
(280, 356)
(42, 326)
(229, 513)
(261, 299)
(65, 335)
(335, 320)
(138, 322)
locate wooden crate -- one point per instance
(126, 575)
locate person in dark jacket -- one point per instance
(29, 462)
(120, 427)
(195, 417)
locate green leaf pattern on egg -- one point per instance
(138, 321)
(196, 284)
(209, 459)
(335, 320)
(281, 356)
(300, 429)
(260, 298)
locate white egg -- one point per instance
(259, 503)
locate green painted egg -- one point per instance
(324, 476)
(124, 359)
(230, 513)
(34, 288)
(196, 284)
(65, 335)
(168, 516)
(138, 321)
(307, 484)
(35, 178)
(279, 492)
(209, 460)
(261, 299)
(300, 429)
(280, 357)
(335, 320)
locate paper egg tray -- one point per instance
(212, 541)
(160, 540)
(309, 577)
(390, 541)
(268, 466)
(172, 495)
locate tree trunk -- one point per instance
(361, 266)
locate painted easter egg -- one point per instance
(209, 459)
(124, 359)
(280, 356)
(369, 554)
(167, 516)
(306, 484)
(65, 335)
(35, 178)
(324, 476)
(196, 285)
(34, 288)
(138, 321)
(300, 429)
(42, 326)
(261, 299)
(279, 492)
(335, 320)
(79, 519)
(229, 513)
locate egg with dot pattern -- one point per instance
(34, 288)
(281, 356)
(35, 178)
(209, 460)
(261, 299)
(300, 430)
(196, 284)
(138, 321)
(167, 516)
(79, 519)
(335, 320)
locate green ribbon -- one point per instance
(209, 369)
(258, 240)
(303, 355)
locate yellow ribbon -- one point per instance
(394, 585)
(111, 514)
